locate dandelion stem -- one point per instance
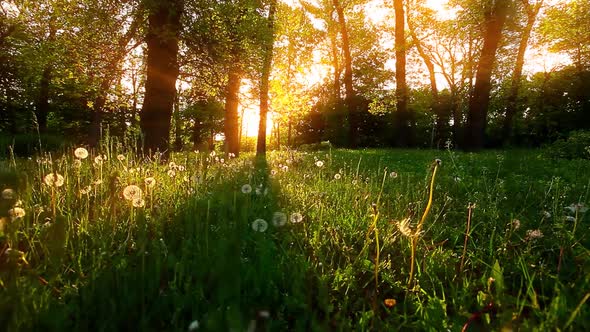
(416, 235)
(469, 214)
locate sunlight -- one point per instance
(249, 111)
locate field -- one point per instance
(306, 241)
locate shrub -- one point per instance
(576, 146)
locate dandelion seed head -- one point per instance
(193, 325)
(98, 160)
(515, 224)
(171, 173)
(260, 225)
(138, 202)
(337, 176)
(54, 180)
(404, 227)
(8, 193)
(81, 153)
(393, 175)
(16, 213)
(77, 163)
(279, 219)
(296, 217)
(319, 163)
(150, 182)
(132, 192)
(246, 189)
(121, 157)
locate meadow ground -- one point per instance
(318, 241)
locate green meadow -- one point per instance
(333, 240)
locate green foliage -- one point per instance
(575, 146)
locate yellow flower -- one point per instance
(54, 180)
(132, 192)
(81, 153)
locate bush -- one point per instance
(576, 146)
(25, 145)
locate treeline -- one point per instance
(168, 74)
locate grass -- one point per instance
(85, 258)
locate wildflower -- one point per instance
(138, 202)
(77, 163)
(172, 165)
(279, 219)
(16, 213)
(533, 234)
(150, 182)
(246, 189)
(390, 302)
(121, 157)
(193, 325)
(171, 173)
(8, 193)
(259, 225)
(54, 180)
(515, 224)
(337, 176)
(98, 160)
(132, 192)
(296, 217)
(393, 175)
(319, 163)
(81, 153)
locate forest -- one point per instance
(294, 165)
(176, 75)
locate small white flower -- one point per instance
(246, 189)
(259, 225)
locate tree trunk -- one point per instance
(335, 64)
(43, 101)
(42, 110)
(403, 122)
(350, 98)
(177, 124)
(162, 72)
(266, 67)
(479, 101)
(289, 127)
(232, 144)
(532, 12)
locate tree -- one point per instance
(495, 15)
(162, 38)
(264, 81)
(403, 121)
(532, 10)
